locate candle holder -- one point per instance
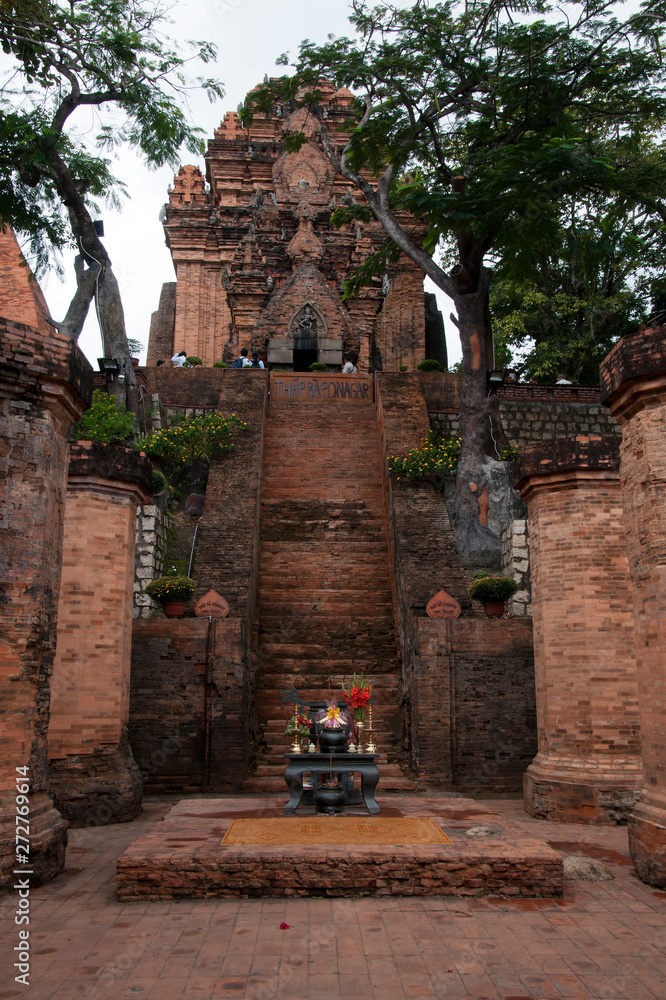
(370, 746)
(296, 745)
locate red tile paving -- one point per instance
(603, 939)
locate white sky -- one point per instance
(249, 34)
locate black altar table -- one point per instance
(331, 763)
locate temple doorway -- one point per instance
(303, 359)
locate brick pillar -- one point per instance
(93, 773)
(588, 766)
(45, 384)
(633, 382)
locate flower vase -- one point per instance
(360, 735)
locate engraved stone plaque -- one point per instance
(211, 605)
(442, 605)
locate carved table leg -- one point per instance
(369, 779)
(294, 778)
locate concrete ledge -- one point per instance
(183, 857)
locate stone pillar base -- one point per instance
(48, 839)
(598, 796)
(98, 788)
(647, 843)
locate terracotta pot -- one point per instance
(135, 362)
(175, 610)
(494, 609)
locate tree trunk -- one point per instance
(486, 500)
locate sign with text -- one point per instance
(211, 605)
(305, 387)
(442, 605)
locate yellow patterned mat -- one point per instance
(283, 831)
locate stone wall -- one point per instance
(516, 563)
(152, 527)
(189, 704)
(531, 421)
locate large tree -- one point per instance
(110, 57)
(469, 115)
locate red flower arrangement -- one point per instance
(358, 697)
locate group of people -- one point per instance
(245, 361)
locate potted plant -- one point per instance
(298, 725)
(492, 591)
(172, 592)
(135, 348)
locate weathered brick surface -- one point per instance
(182, 857)
(44, 387)
(162, 322)
(21, 298)
(478, 672)
(634, 381)
(189, 704)
(90, 760)
(325, 603)
(251, 251)
(588, 767)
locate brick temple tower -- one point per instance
(259, 265)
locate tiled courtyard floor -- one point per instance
(604, 939)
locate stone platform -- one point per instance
(183, 856)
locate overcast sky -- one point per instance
(249, 34)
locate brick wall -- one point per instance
(162, 322)
(189, 704)
(89, 758)
(633, 378)
(21, 298)
(445, 662)
(45, 386)
(588, 765)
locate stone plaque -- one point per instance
(211, 605)
(442, 605)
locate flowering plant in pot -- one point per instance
(492, 591)
(333, 728)
(299, 725)
(358, 697)
(172, 592)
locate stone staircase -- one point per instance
(325, 606)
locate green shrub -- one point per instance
(430, 365)
(318, 366)
(492, 589)
(509, 453)
(189, 439)
(135, 346)
(191, 361)
(171, 589)
(434, 461)
(157, 483)
(402, 368)
(105, 422)
(220, 364)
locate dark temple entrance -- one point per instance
(303, 358)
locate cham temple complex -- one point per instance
(314, 563)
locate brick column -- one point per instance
(633, 382)
(588, 766)
(93, 773)
(45, 384)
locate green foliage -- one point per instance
(157, 483)
(192, 361)
(492, 589)
(429, 365)
(111, 56)
(171, 589)
(135, 346)
(189, 439)
(105, 422)
(402, 368)
(509, 453)
(220, 364)
(437, 459)
(318, 366)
